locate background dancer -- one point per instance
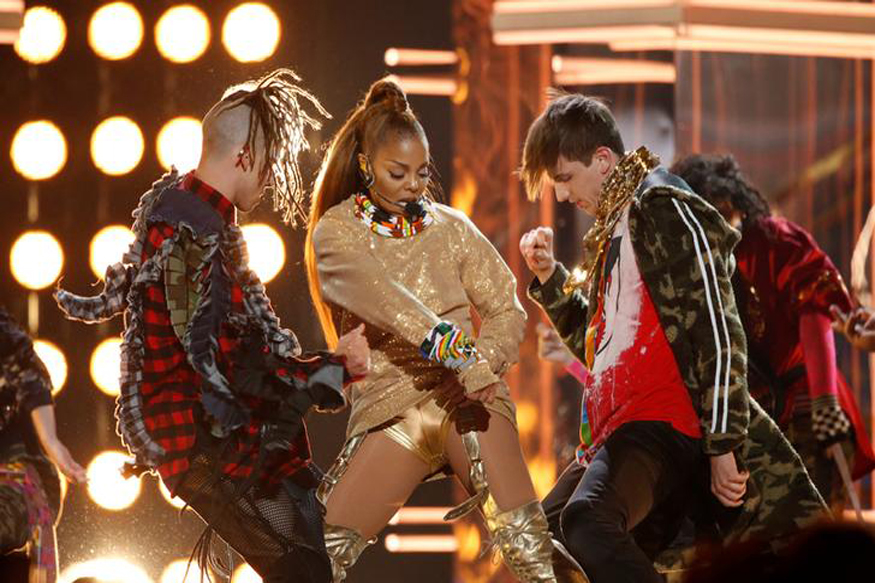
(784, 285)
(30, 493)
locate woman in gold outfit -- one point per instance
(381, 251)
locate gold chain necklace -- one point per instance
(617, 191)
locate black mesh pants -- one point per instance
(278, 533)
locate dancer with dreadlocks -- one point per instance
(214, 391)
(784, 286)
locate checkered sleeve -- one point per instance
(104, 306)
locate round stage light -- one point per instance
(36, 259)
(251, 32)
(391, 57)
(108, 246)
(106, 485)
(174, 501)
(179, 143)
(115, 31)
(182, 34)
(55, 362)
(117, 145)
(105, 366)
(245, 574)
(176, 571)
(39, 150)
(108, 570)
(42, 36)
(267, 254)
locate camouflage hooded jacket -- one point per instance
(683, 248)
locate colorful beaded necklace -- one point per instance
(387, 224)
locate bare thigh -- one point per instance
(378, 481)
(506, 472)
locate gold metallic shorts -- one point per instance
(423, 430)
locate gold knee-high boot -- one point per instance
(344, 546)
(522, 537)
(521, 534)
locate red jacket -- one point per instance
(783, 275)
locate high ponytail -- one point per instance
(384, 109)
(388, 94)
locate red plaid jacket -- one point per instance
(171, 388)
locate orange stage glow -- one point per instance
(419, 57)
(716, 46)
(595, 71)
(821, 7)
(582, 34)
(420, 515)
(851, 516)
(523, 7)
(422, 85)
(816, 28)
(421, 543)
(12, 14)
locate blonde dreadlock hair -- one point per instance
(277, 107)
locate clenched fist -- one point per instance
(537, 249)
(727, 483)
(353, 346)
(551, 347)
(858, 326)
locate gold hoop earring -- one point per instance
(366, 173)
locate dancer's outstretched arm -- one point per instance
(43, 419)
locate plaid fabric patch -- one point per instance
(24, 480)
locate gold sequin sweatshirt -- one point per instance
(401, 288)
